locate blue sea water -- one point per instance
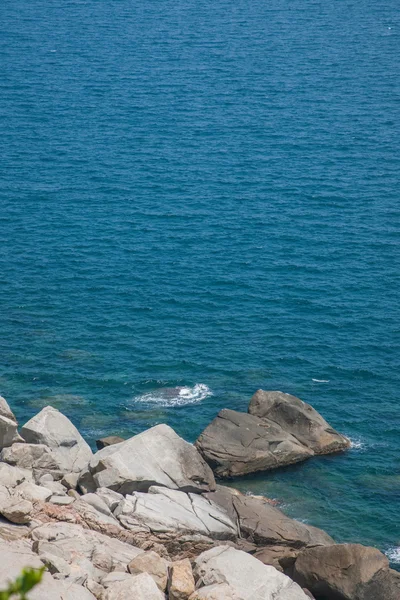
(200, 199)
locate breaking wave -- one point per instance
(393, 554)
(176, 396)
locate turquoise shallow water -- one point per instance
(206, 195)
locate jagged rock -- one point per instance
(45, 478)
(12, 476)
(57, 488)
(70, 480)
(181, 581)
(237, 443)
(54, 430)
(111, 498)
(108, 441)
(385, 585)
(18, 511)
(37, 457)
(157, 456)
(280, 557)
(10, 531)
(138, 587)
(8, 432)
(115, 577)
(5, 410)
(340, 571)
(249, 578)
(299, 419)
(265, 524)
(164, 510)
(153, 564)
(32, 492)
(98, 503)
(73, 541)
(218, 591)
(86, 484)
(91, 514)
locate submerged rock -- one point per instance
(157, 456)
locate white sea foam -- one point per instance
(176, 396)
(357, 443)
(321, 380)
(393, 554)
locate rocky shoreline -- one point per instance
(145, 519)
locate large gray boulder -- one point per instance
(176, 513)
(237, 443)
(342, 572)
(157, 456)
(299, 419)
(5, 410)
(36, 457)
(138, 587)
(8, 425)
(248, 578)
(54, 430)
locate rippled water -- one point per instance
(198, 200)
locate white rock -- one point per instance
(170, 511)
(17, 511)
(8, 432)
(139, 587)
(111, 498)
(5, 410)
(97, 503)
(57, 488)
(157, 456)
(32, 456)
(70, 481)
(32, 492)
(221, 591)
(55, 430)
(62, 500)
(152, 563)
(250, 579)
(12, 476)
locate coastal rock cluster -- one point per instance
(144, 518)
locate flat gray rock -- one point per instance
(247, 576)
(54, 430)
(299, 419)
(157, 456)
(237, 443)
(137, 587)
(170, 511)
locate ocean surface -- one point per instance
(200, 199)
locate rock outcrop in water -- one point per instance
(144, 519)
(279, 430)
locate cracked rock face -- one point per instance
(157, 456)
(169, 511)
(237, 443)
(299, 419)
(248, 577)
(55, 431)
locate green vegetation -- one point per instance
(23, 584)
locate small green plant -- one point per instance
(22, 584)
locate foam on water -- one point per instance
(176, 396)
(321, 380)
(357, 444)
(393, 555)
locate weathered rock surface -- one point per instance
(249, 578)
(181, 583)
(74, 544)
(12, 476)
(32, 492)
(138, 587)
(218, 591)
(5, 410)
(54, 430)
(153, 564)
(108, 441)
(164, 510)
(237, 443)
(157, 456)
(17, 510)
(340, 571)
(35, 457)
(299, 419)
(109, 497)
(385, 585)
(8, 432)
